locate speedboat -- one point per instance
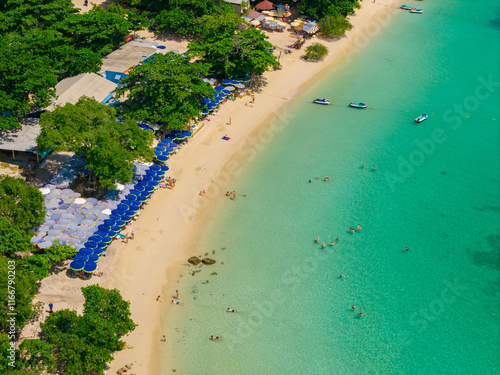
(357, 105)
(321, 101)
(417, 11)
(421, 118)
(407, 7)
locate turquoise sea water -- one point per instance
(433, 309)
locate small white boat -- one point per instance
(417, 11)
(357, 105)
(406, 7)
(421, 118)
(321, 101)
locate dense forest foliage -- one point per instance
(42, 42)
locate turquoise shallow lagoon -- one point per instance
(433, 309)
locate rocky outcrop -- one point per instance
(194, 260)
(208, 261)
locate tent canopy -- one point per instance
(265, 5)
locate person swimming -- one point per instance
(317, 240)
(351, 230)
(230, 310)
(214, 338)
(323, 245)
(360, 314)
(407, 249)
(332, 243)
(358, 227)
(341, 276)
(375, 168)
(327, 178)
(353, 307)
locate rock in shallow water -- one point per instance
(208, 261)
(194, 260)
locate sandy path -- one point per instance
(152, 261)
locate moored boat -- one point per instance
(417, 11)
(357, 105)
(321, 101)
(421, 118)
(407, 7)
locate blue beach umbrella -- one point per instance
(242, 79)
(85, 251)
(90, 266)
(121, 223)
(219, 88)
(122, 206)
(77, 265)
(155, 168)
(101, 234)
(93, 258)
(136, 207)
(205, 111)
(162, 158)
(159, 152)
(91, 245)
(106, 240)
(95, 239)
(139, 188)
(81, 257)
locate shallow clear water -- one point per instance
(433, 309)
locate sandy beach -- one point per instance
(168, 227)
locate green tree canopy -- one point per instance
(167, 89)
(42, 42)
(334, 25)
(26, 79)
(12, 239)
(85, 343)
(316, 51)
(21, 204)
(90, 128)
(246, 52)
(36, 355)
(320, 8)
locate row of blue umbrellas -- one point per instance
(95, 246)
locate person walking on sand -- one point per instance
(177, 294)
(51, 307)
(133, 235)
(229, 120)
(126, 237)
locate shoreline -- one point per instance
(170, 226)
(251, 140)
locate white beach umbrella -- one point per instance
(80, 200)
(119, 186)
(106, 211)
(44, 190)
